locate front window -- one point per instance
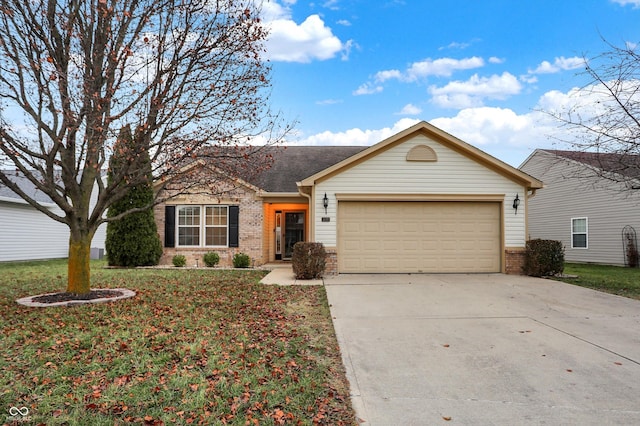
(200, 226)
(216, 223)
(579, 229)
(189, 226)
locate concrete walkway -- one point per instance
(282, 274)
(486, 350)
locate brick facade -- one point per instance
(514, 260)
(250, 232)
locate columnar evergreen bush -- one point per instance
(133, 239)
(309, 260)
(543, 258)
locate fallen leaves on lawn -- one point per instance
(191, 348)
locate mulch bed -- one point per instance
(67, 297)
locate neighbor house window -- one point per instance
(579, 229)
(206, 226)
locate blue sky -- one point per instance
(353, 72)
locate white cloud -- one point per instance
(473, 92)
(501, 132)
(355, 136)
(346, 49)
(367, 89)
(634, 3)
(559, 64)
(442, 67)
(410, 109)
(329, 102)
(331, 4)
(343, 22)
(289, 41)
(486, 125)
(455, 45)
(382, 76)
(496, 60)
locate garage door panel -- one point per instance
(419, 237)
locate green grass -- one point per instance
(193, 347)
(610, 279)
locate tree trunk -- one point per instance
(79, 267)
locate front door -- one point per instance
(292, 232)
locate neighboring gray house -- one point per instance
(28, 234)
(582, 209)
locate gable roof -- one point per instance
(623, 164)
(442, 137)
(288, 164)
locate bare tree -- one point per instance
(603, 120)
(184, 73)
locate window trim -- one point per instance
(202, 233)
(585, 233)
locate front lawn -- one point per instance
(610, 279)
(193, 347)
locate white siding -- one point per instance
(565, 197)
(27, 234)
(390, 173)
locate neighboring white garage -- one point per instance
(396, 236)
(420, 201)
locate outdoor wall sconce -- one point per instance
(516, 203)
(325, 202)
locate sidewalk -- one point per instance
(282, 274)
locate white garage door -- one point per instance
(418, 237)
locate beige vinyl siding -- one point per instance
(390, 173)
(566, 196)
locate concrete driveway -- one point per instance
(486, 350)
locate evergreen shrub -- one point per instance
(133, 239)
(179, 260)
(309, 260)
(543, 258)
(211, 259)
(241, 260)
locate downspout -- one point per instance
(530, 193)
(305, 191)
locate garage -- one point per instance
(419, 236)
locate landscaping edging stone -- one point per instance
(28, 301)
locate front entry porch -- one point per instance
(285, 225)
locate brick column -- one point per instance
(331, 265)
(514, 260)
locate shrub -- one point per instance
(179, 260)
(241, 260)
(133, 239)
(211, 259)
(543, 258)
(309, 260)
